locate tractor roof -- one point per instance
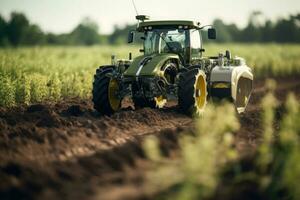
(168, 23)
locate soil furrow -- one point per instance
(66, 150)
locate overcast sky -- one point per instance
(63, 15)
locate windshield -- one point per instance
(165, 41)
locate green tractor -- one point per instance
(172, 67)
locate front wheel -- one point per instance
(105, 91)
(192, 92)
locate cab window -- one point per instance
(195, 44)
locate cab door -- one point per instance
(196, 45)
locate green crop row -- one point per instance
(29, 75)
(35, 87)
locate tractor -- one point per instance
(172, 67)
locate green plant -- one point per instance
(38, 88)
(23, 90)
(202, 157)
(54, 86)
(7, 91)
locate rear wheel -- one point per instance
(192, 92)
(104, 91)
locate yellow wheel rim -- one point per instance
(114, 101)
(160, 101)
(200, 93)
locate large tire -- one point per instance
(192, 92)
(103, 100)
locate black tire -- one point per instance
(101, 90)
(187, 92)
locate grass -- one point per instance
(35, 74)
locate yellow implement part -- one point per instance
(160, 101)
(221, 85)
(200, 92)
(113, 87)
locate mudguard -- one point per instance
(149, 65)
(233, 82)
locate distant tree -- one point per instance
(252, 33)
(119, 36)
(287, 30)
(297, 25)
(235, 32)
(16, 28)
(51, 38)
(223, 32)
(104, 39)
(267, 32)
(58, 39)
(3, 32)
(86, 33)
(34, 36)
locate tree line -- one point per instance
(18, 31)
(257, 30)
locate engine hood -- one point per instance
(149, 65)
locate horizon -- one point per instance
(52, 16)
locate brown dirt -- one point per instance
(67, 151)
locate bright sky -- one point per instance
(63, 15)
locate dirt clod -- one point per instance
(75, 110)
(36, 108)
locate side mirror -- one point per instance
(228, 54)
(212, 34)
(130, 37)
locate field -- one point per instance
(31, 75)
(53, 145)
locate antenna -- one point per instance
(138, 17)
(135, 7)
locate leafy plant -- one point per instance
(7, 91)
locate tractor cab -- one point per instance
(182, 38)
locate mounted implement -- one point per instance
(172, 67)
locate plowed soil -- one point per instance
(68, 151)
